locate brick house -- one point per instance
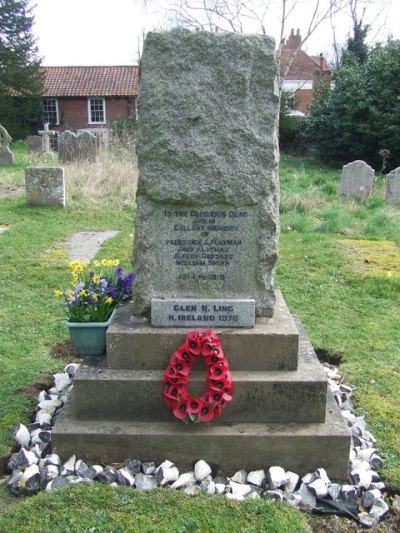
(304, 73)
(88, 98)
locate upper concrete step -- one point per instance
(259, 396)
(271, 345)
(300, 448)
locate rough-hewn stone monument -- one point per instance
(356, 180)
(6, 155)
(208, 190)
(205, 250)
(45, 186)
(393, 187)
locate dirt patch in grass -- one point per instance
(336, 524)
(11, 191)
(65, 351)
(326, 356)
(374, 258)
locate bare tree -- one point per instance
(256, 16)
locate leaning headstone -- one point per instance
(6, 155)
(45, 186)
(77, 147)
(207, 218)
(393, 187)
(34, 144)
(356, 180)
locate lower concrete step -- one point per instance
(298, 447)
(259, 396)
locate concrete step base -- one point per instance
(271, 345)
(259, 396)
(227, 447)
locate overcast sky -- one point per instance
(106, 32)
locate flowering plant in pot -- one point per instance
(97, 289)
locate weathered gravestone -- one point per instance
(6, 155)
(45, 133)
(34, 144)
(77, 147)
(393, 187)
(205, 249)
(356, 180)
(45, 186)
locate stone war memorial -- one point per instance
(206, 242)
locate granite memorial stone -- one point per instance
(45, 186)
(77, 147)
(393, 187)
(356, 180)
(207, 218)
(6, 155)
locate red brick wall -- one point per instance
(73, 112)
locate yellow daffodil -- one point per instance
(96, 279)
(58, 293)
(109, 300)
(83, 293)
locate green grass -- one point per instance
(347, 307)
(79, 509)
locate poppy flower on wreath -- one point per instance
(219, 379)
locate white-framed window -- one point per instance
(97, 111)
(294, 85)
(50, 111)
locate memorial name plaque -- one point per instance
(186, 312)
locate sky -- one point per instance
(109, 32)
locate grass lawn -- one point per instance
(339, 270)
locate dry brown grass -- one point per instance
(112, 180)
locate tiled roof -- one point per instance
(303, 66)
(90, 81)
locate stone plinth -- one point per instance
(272, 344)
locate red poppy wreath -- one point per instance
(219, 379)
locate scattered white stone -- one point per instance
(21, 435)
(321, 474)
(369, 519)
(239, 489)
(380, 507)
(168, 474)
(230, 496)
(43, 418)
(308, 499)
(370, 497)
(293, 481)
(319, 488)
(26, 458)
(183, 480)
(276, 495)
(276, 477)
(69, 466)
(309, 478)
(256, 477)
(145, 482)
(29, 480)
(164, 464)
(334, 490)
(253, 495)
(49, 406)
(201, 470)
(240, 476)
(52, 459)
(61, 381)
(220, 488)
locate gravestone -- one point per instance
(393, 187)
(6, 155)
(356, 180)
(77, 147)
(34, 144)
(45, 186)
(206, 236)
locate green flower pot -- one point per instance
(89, 338)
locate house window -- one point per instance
(97, 110)
(50, 111)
